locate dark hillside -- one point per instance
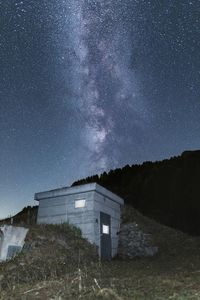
(167, 191)
(56, 263)
(27, 216)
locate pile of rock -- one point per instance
(134, 243)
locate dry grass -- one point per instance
(58, 264)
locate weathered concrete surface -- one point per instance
(59, 206)
(11, 240)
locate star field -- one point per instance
(90, 85)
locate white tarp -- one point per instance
(11, 240)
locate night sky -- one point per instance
(91, 85)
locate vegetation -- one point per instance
(167, 191)
(27, 216)
(58, 264)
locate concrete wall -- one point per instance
(12, 237)
(52, 210)
(62, 209)
(58, 206)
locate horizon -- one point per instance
(35, 202)
(89, 86)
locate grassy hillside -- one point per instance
(27, 216)
(58, 264)
(167, 191)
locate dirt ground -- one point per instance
(58, 264)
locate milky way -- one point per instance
(88, 86)
(104, 85)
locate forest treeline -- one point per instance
(27, 216)
(167, 191)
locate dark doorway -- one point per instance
(105, 231)
(13, 251)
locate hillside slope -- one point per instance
(27, 215)
(50, 252)
(167, 191)
(58, 264)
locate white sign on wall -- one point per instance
(80, 203)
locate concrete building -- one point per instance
(11, 241)
(90, 207)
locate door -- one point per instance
(105, 231)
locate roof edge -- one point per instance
(78, 189)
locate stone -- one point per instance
(133, 242)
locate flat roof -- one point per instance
(78, 189)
